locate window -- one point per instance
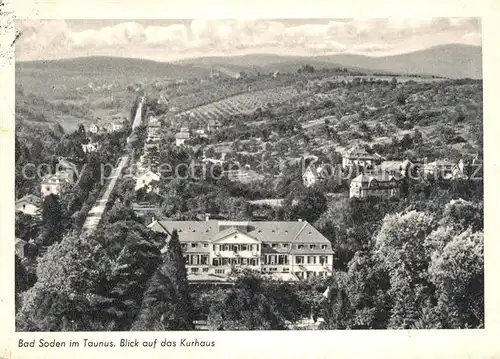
(311, 260)
(323, 260)
(226, 247)
(299, 260)
(186, 258)
(235, 248)
(216, 247)
(205, 270)
(253, 262)
(244, 247)
(324, 246)
(194, 270)
(285, 245)
(219, 271)
(194, 245)
(286, 269)
(312, 246)
(215, 262)
(274, 246)
(205, 245)
(300, 246)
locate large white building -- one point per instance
(285, 250)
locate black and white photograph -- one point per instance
(245, 175)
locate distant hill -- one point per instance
(453, 60)
(114, 66)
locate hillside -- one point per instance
(113, 66)
(453, 61)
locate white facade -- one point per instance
(51, 185)
(94, 128)
(89, 147)
(146, 179)
(28, 205)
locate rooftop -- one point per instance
(267, 231)
(31, 198)
(182, 135)
(359, 153)
(380, 177)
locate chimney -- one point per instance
(207, 216)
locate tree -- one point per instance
(338, 310)
(311, 203)
(21, 281)
(457, 271)
(400, 247)
(158, 298)
(52, 219)
(246, 307)
(179, 316)
(64, 297)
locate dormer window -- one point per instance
(300, 246)
(312, 246)
(324, 246)
(274, 246)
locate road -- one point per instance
(95, 214)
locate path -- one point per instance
(95, 214)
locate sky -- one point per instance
(171, 40)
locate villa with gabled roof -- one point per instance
(359, 157)
(284, 250)
(379, 184)
(29, 204)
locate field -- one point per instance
(242, 104)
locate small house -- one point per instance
(51, 185)
(181, 138)
(146, 179)
(94, 128)
(359, 157)
(29, 204)
(379, 185)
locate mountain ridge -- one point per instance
(450, 60)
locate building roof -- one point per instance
(278, 232)
(31, 198)
(441, 163)
(359, 153)
(51, 179)
(391, 165)
(182, 135)
(64, 163)
(380, 177)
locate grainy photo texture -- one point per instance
(178, 175)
